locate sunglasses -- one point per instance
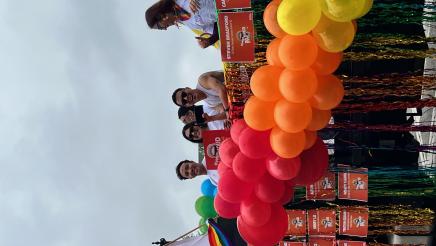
(184, 96)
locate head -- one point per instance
(161, 15)
(192, 132)
(186, 97)
(189, 169)
(186, 114)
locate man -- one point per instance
(189, 169)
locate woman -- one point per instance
(193, 132)
(196, 14)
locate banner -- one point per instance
(351, 243)
(233, 4)
(236, 36)
(193, 241)
(353, 222)
(321, 241)
(296, 223)
(322, 222)
(211, 141)
(323, 189)
(353, 184)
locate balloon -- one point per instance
(329, 93)
(226, 209)
(207, 188)
(298, 52)
(272, 53)
(215, 191)
(258, 114)
(314, 163)
(269, 189)
(268, 234)
(248, 169)
(222, 168)
(288, 195)
(264, 83)
(333, 36)
(232, 189)
(283, 168)
(254, 212)
(326, 62)
(236, 129)
(320, 118)
(204, 207)
(203, 226)
(254, 144)
(287, 145)
(366, 8)
(270, 20)
(292, 117)
(310, 139)
(228, 149)
(297, 86)
(343, 10)
(297, 17)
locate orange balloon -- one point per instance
(264, 83)
(298, 52)
(272, 53)
(292, 117)
(287, 145)
(270, 20)
(310, 139)
(329, 93)
(354, 25)
(259, 114)
(327, 62)
(320, 118)
(298, 86)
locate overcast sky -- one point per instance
(89, 136)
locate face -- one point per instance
(167, 21)
(190, 169)
(186, 97)
(193, 133)
(188, 117)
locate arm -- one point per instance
(209, 118)
(214, 81)
(206, 42)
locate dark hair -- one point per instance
(155, 13)
(174, 96)
(190, 125)
(184, 110)
(179, 174)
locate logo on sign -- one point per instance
(359, 184)
(327, 183)
(359, 221)
(297, 222)
(244, 36)
(327, 222)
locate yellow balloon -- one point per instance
(333, 36)
(298, 17)
(342, 10)
(366, 8)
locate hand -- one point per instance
(206, 117)
(227, 124)
(203, 42)
(194, 5)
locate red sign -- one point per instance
(321, 241)
(322, 222)
(351, 243)
(285, 243)
(236, 36)
(211, 141)
(353, 184)
(323, 189)
(353, 222)
(296, 222)
(233, 4)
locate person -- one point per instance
(198, 15)
(215, 120)
(189, 169)
(193, 132)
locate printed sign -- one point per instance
(321, 241)
(323, 189)
(296, 222)
(236, 36)
(285, 243)
(353, 222)
(211, 141)
(322, 222)
(233, 4)
(351, 243)
(353, 184)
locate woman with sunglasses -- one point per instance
(193, 132)
(195, 14)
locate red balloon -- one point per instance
(232, 189)
(283, 168)
(248, 169)
(254, 212)
(288, 195)
(222, 168)
(236, 129)
(228, 149)
(226, 209)
(254, 144)
(269, 189)
(270, 233)
(314, 163)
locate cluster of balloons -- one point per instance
(255, 182)
(204, 204)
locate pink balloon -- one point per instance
(232, 189)
(270, 233)
(269, 189)
(283, 168)
(314, 163)
(247, 169)
(236, 129)
(254, 212)
(288, 195)
(226, 209)
(222, 168)
(255, 144)
(228, 149)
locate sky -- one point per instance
(89, 136)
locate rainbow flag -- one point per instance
(216, 235)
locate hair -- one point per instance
(184, 110)
(174, 96)
(190, 125)
(179, 175)
(155, 13)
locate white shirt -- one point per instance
(213, 125)
(204, 19)
(213, 174)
